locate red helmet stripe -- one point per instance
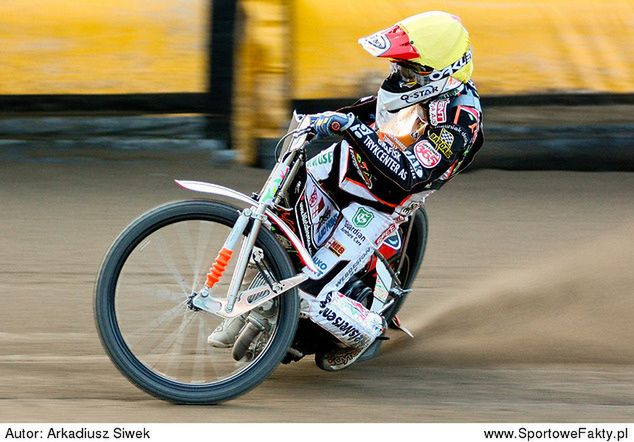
(400, 46)
(390, 43)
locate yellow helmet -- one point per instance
(430, 55)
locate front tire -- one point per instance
(141, 305)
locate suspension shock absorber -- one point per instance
(224, 256)
(219, 266)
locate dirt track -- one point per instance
(523, 311)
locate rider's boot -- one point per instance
(340, 358)
(225, 335)
(356, 328)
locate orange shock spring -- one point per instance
(218, 267)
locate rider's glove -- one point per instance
(328, 124)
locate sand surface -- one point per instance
(522, 312)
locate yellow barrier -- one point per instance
(311, 52)
(261, 75)
(113, 46)
(102, 46)
(519, 46)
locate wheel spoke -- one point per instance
(200, 354)
(174, 338)
(152, 335)
(166, 257)
(140, 336)
(203, 255)
(162, 293)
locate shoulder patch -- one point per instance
(438, 111)
(426, 154)
(443, 141)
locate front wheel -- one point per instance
(144, 322)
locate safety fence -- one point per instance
(271, 55)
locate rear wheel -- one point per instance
(412, 257)
(141, 310)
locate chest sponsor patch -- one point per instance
(438, 111)
(426, 154)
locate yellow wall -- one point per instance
(118, 46)
(519, 46)
(261, 92)
(102, 46)
(126, 46)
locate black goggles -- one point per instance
(411, 72)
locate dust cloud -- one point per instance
(577, 307)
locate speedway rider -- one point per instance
(423, 127)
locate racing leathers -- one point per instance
(379, 177)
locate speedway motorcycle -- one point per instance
(160, 292)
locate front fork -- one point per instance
(245, 253)
(236, 302)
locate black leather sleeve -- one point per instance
(364, 109)
(397, 174)
(414, 167)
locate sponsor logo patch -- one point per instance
(451, 69)
(376, 44)
(414, 163)
(324, 228)
(426, 154)
(317, 214)
(322, 266)
(305, 225)
(342, 359)
(323, 158)
(352, 268)
(385, 154)
(442, 141)
(393, 241)
(336, 247)
(353, 233)
(362, 169)
(466, 138)
(391, 229)
(418, 94)
(313, 198)
(317, 208)
(362, 217)
(360, 130)
(346, 331)
(438, 111)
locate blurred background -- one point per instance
(556, 76)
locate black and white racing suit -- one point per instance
(378, 185)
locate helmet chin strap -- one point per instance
(395, 101)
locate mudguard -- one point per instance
(215, 189)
